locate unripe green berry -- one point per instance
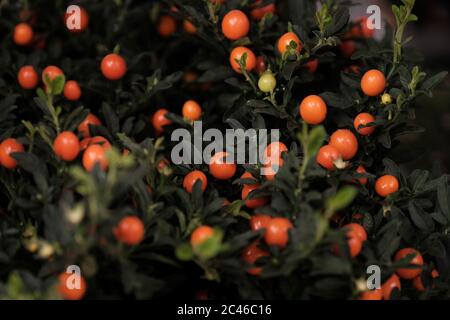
(267, 82)
(386, 99)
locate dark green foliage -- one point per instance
(46, 202)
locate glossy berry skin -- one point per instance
(405, 273)
(83, 127)
(327, 157)
(277, 232)
(220, 169)
(375, 294)
(84, 143)
(72, 90)
(361, 29)
(354, 242)
(235, 25)
(64, 281)
(386, 185)
(361, 169)
(159, 120)
(347, 48)
(23, 34)
(101, 141)
(192, 110)
(259, 12)
(254, 202)
(251, 254)
(235, 57)
(346, 143)
(392, 283)
(130, 230)
(259, 221)
(272, 167)
(273, 160)
(191, 178)
(27, 77)
(167, 26)
(66, 146)
(189, 27)
(51, 72)
(95, 154)
(200, 235)
(7, 147)
(84, 21)
(285, 41)
(311, 66)
(113, 67)
(358, 230)
(363, 119)
(260, 65)
(373, 83)
(313, 110)
(275, 150)
(417, 281)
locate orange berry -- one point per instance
(167, 26)
(72, 90)
(159, 120)
(192, 110)
(189, 27)
(251, 255)
(277, 232)
(386, 185)
(191, 178)
(67, 289)
(219, 168)
(90, 120)
(67, 146)
(23, 34)
(285, 42)
(417, 259)
(235, 25)
(52, 72)
(235, 58)
(361, 169)
(113, 66)
(95, 154)
(201, 234)
(373, 83)
(363, 119)
(375, 294)
(313, 110)
(7, 147)
(130, 230)
(392, 283)
(345, 142)
(28, 77)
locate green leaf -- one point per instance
(420, 218)
(434, 81)
(184, 252)
(336, 100)
(57, 85)
(342, 199)
(315, 140)
(443, 196)
(210, 247)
